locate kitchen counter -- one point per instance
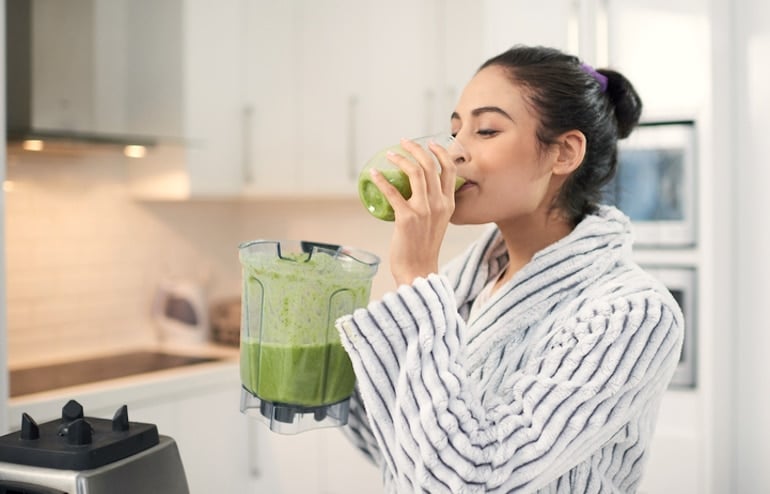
(219, 365)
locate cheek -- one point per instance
(522, 187)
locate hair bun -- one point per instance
(627, 103)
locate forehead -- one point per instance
(492, 86)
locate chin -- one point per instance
(461, 219)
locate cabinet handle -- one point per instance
(592, 29)
(352, 136)
(253, 450)
(247, 127)
(451, 101)
(430, 111)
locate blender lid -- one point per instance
(76, 442)
(284, 248)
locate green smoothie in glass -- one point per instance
(373, 199)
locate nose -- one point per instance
(458, 153)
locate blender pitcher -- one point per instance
(295, 374)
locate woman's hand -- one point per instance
(421, 221)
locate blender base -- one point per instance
(286, 418)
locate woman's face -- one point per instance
(508, 173)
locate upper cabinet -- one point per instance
(196, 49)
(257, 98)
(291, 98)
(508, 22)
(663, 48)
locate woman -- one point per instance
(537, 360)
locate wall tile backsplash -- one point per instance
(84, 257)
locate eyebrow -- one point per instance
(484, 109)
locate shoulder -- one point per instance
(628, 301)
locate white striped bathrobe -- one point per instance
(553, 386)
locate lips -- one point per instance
(466, 185)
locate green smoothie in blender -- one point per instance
(290, 350)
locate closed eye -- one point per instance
(487, 132)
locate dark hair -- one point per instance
(566, 96)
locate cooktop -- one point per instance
(44, 378)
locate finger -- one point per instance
(420, 154)
(391, 193)
(448, 169)
(427, 160)
(414, 172)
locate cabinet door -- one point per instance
(344, 469)
(550, 23)
(213, 441)
(403, 67)
(269, 114)
(185, 82)
(212, 84)
(461, 39)
(332, 62)
(667, 64)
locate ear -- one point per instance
(571, 148)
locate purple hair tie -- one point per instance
(600, 78)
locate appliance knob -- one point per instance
(29, 428)
(79, 433)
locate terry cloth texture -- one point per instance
(553, 386)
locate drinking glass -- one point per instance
(373, 199)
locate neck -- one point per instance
(527, 236)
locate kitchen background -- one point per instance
(258, 115)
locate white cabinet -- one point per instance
(287, 99)
(225, 451)
(399, 69)
(461, 39)
(210, 432)
(341, 90)
(270, 138)
(552, 23)
(206, 424)
(213, 95)
(660, 46)
(194, 50)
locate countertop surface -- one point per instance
(40, 378)
(218, 366)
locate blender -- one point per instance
(87, 455)
(295, 374)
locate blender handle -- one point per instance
(247, 127)
(308, 246)
(352, 136)
(430, 110)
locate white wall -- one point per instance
(751, 168)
